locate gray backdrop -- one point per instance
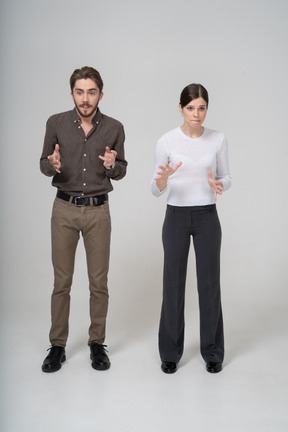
(146, 52)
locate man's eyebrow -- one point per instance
(78, 89)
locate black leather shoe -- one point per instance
(52, 362)
(100, 359)
(169, 367)
(214, 367)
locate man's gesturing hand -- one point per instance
(109, 157)
(56, 159)
(215, 185)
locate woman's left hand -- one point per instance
(215, 185)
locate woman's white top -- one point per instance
(188, 186)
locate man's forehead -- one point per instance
(85, 84)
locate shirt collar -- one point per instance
(96, 119)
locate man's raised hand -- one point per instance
(56, 159)
(109, 157)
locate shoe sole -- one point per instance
(55, 369)
(214, 371)
(169, 372)
(100, 367)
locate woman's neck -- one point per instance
(192, 132)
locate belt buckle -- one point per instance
(76, 201)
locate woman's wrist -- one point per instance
(161, 185)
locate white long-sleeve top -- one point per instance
(188, 186)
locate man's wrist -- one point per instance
(110, 167)
(52, 164)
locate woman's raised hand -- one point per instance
(162, 176)
(215, 185)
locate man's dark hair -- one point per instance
(84, 73)
(191, 92)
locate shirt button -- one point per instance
(82, 194)
(84, 154)
(84, 184)
(85, 139)
(84, 169)
(79, 127)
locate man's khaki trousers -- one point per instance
(67, 222)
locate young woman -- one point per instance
(193, 161)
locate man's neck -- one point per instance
(87, 120)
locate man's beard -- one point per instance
(86, 114)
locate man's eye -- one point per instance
(202, 108)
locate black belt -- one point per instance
(83, 201)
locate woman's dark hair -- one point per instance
(84, 73)
(191, 92)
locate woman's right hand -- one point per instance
(166, 171)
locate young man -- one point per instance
(83, 150)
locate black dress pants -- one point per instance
(202, 224)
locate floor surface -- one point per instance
(249, 395)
